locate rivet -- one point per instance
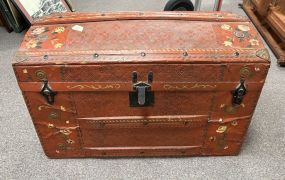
(145, 123)
(41, 75)
(236, 54)
(45, 57)
(234, 123)
(50, 126)
(57, 151)
(95, 55)
(226, 147)
(25, 71)
(67, 122)
(221, 129)
(212, 138)
(143, 54)
(220, 120)
(185, 54)
(53, 115)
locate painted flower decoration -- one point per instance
(228, 43)
(243, 28)
(69, 141)
(42, 37)
(32, 43)
(58, 45)
(65, 131)
(39, 30)
(254, 42)
(58, 30)
(226, 27)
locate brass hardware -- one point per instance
(25, 71)
(234, 123)
(53, 115)
(263, 54)
(41, 75)
(221, 129)
(50, 126)
(67, 122)
(245, 72)
(143, 54)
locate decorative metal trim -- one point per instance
(263, 54)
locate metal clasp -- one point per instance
(48, 93)
(142, 95)
(239, 92)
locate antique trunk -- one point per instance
(140, 83)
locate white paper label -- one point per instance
(77, 28)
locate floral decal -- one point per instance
(228, 42)
(254, 42)
(33, 43)
(58, 30)
(243, 28)
(39, 30)
(226, 27)
(239, 35)
(45, 37)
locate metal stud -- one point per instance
(143, 54)
(185, 54)
(95, 55)
(45, 57)
(236, 54)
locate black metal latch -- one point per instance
(48, 93)
(239, 93)
(142, 95)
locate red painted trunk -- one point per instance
(141, 84)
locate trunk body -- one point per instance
(141, 84)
